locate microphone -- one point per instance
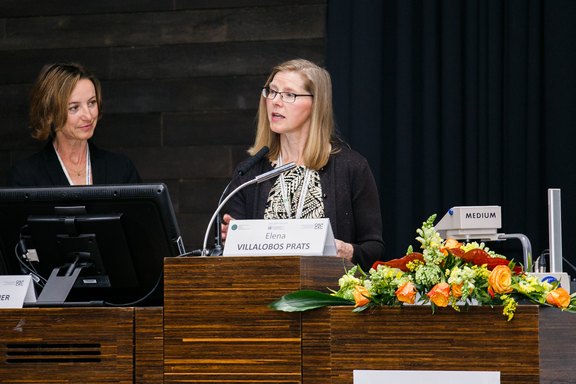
(246, 165)
(242, 169)
(258, 179)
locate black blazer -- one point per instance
(44, 169)
(351, 202)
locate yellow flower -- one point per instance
(406, 293)
(500, 279)
(440, 294)
(510, 306)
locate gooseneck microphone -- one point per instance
(258, 179)
(246, 165)
(242, 169)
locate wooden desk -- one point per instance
(215, 327)
(218, 328)
(81, 345)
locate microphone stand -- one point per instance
(258, 179)
(218, 248)
(243, 168)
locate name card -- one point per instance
(426, 377)
(300, 237)
(15, 290)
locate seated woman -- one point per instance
(295, 120)
(65, 106)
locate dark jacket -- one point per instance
(44, 169)
(351, 202)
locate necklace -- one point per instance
(77, 172)
(72, 167)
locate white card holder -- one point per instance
(291, 237)
(15, 290)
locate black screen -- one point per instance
(116, 235)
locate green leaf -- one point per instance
(304, 300)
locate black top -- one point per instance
(44, 169)
(351, 202)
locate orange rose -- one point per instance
(457, 290)
(406, 293)
(361, 296)
(559, 298)
(450, 245)
(439, 294)
(500, 279)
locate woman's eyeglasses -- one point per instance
(287, 97)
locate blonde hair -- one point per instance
(318, 146)
(50, 94)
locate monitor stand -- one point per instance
(57, 288)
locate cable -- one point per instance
(140, 300)
(569, 263)
(21, 252)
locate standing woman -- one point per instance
(65, 106)
(295, 120)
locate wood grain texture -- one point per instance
(159, 28)
(218, 329)
(316, 353)
(148, 345)
(217, 324)
(66, 345)
(412, 338)
(557, 347)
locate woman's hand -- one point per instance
(224, 226)
(344, 250)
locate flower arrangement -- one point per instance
(445, 273)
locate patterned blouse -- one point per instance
(294, 181)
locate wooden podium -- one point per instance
(217, 324)
(81, 345)
(218, 329)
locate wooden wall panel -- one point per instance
(179, 95)
(156, 28)
(21, 66)
(208, 128)
(20, 8)
(181, 80)
(216, 59)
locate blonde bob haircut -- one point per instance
(50, 94)
(318, 146)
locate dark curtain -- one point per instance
(460, 102)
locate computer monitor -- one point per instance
(89, 245)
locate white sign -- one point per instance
(426, 377)
(291, 237)
(15, 290)
(471, 222)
